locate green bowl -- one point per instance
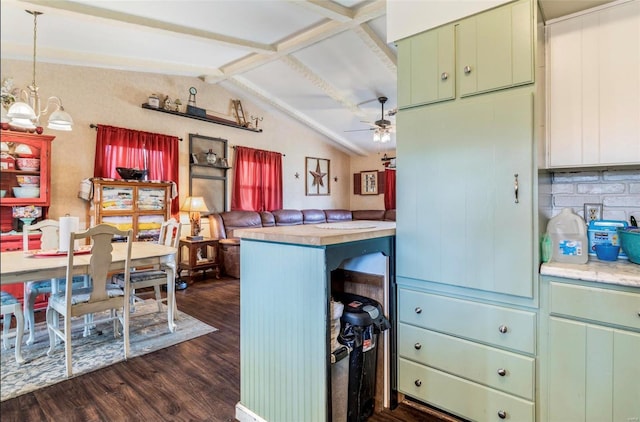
(630, 242)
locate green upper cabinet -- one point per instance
(426, 67)
(494, 50)
(486, 52)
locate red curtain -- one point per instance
(389, 189)
(119, 147)
(257, 180)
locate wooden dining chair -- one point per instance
(140, 279)
(11, 306)
(100, 297)
(49, 239)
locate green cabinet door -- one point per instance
(593, 373)
(495, 49)
(426, 60)
(460, 222)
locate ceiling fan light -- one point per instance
(376, 135)
(386, 136)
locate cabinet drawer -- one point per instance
(607, 306)
(459, 396)
(469, 360)
(472, 320)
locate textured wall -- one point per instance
(617, 190)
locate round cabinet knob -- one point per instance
(444, 76)
(418, 310)
(467, 70)
(418, 346)
(502, 329)
(418, 383)
(502, 372)
(502, 414)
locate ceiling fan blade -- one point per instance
(359, 130)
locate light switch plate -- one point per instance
(592, 212)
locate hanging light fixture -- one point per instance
(26, 114)
(382, 134)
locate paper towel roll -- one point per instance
(68, 225)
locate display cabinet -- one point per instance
(25, 164)
(138, 205)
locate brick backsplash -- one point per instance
(617, 190)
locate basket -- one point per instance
(630, 243)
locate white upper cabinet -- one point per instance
(593, 82)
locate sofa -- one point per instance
(223, 225)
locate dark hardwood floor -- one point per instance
(197, 380)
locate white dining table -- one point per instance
(21, 267)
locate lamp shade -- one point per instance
(20, 110)
(194, 204)
(60, 120)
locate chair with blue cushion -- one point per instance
(11, 306)
(102, 296)
(169, 236)
(49, 239)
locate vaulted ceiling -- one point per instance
(323, 63)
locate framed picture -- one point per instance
(368, 183)
(317, 176)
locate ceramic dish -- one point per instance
(26, 192)
(24, 180)
(28, 164)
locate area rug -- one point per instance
(148, 332)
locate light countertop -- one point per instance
(621, 272)
(323, 234)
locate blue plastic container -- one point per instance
(607, 251)
(605, 231)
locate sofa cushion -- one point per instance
(240, 220)
(337, 215)
(390, 215)
(268, 220)
(368, 215)
(313, 217)
(287, 217)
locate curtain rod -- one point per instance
(284, 155)
(95, 126)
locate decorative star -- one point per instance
(317, 175)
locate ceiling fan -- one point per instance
(382, 123)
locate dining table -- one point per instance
(24, 266)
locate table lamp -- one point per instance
(194, 205)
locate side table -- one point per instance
(198, 255)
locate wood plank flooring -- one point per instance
(197, 380)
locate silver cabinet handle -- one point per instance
(467, 69)
(418, 383)
(515, 187)
(418, 310)
(418, 346)
(502, 414)
(502, 372)
(444, 76)
(503, 329)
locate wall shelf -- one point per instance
(209, 119)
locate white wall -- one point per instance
(409, 17)
(114, 97)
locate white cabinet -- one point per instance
(593, 76)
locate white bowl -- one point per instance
(26, 192)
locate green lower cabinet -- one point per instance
(594, 373)
(591, 370)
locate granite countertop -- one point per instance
(321, 234)
(621, 272)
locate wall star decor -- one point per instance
(317, 176)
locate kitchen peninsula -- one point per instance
(285, 293)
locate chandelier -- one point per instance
(25, 115)
(382, 134)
